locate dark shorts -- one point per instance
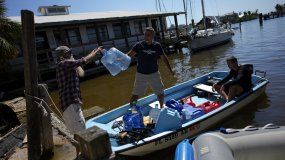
(244, 87)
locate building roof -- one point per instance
(79, 18)
(52, 6)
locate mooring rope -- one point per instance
(46, 104)
(44, 109)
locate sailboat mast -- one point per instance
(204, 17)
(185, 10)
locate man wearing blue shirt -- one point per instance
(148, 51)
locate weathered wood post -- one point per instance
(162, 29)
(146, 22)
(124, 30)
(31, 84)
(192, 23)
(46, 127)
(260, 19)
(176, 26)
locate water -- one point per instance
(264, 47)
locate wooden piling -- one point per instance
(46, 127)
(31, 84)
(260, 19)
(176, 26)
(162, 29)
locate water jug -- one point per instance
(174, 105)
(121, 59)
(191, 113)
(133, 119)
(185, 50)
(107, 60)
(154, 112)
(115, 61)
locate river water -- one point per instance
(262, 46)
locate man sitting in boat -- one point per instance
(241, 82)
(148, 51)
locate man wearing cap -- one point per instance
(67, 74)
(148, 51)
(240, 83)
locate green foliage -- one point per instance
(278, 8)
(9, 35)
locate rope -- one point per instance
(47, 93)
(41, 106)
(46, 104)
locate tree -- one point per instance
(278, 8)
(245, 13)
(249, 12)
(10, 33)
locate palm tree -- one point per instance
(10, 33)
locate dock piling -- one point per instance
(31, 84)
(94, 143)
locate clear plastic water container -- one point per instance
(115, 61)
(106, 61)
(121, 59)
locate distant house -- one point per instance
(231, 17)
(83, 32)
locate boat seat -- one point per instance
(168, 119)
(204, 87)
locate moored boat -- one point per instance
(228, 144)
(167, 130)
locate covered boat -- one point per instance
(229, 144)
(170, 127)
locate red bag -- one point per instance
(209, 106)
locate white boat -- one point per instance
(169, 137)
(229, 144)
(209, 37)
(205, 39)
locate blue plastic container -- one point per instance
(168, 119)
(174, 105)
(133, 119)
(192, 111)
(184, 151)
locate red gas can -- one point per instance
(209, 106)
(188, 100)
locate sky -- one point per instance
(212, 7)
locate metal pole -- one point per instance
(31, 85)
(204, 17)
(186, 17)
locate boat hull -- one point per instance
(192, 130)
(210, 41)
(261, 143)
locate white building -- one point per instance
(85, 31)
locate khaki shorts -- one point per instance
(142, 82)
(73, 118)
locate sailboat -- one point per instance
(209, 37)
